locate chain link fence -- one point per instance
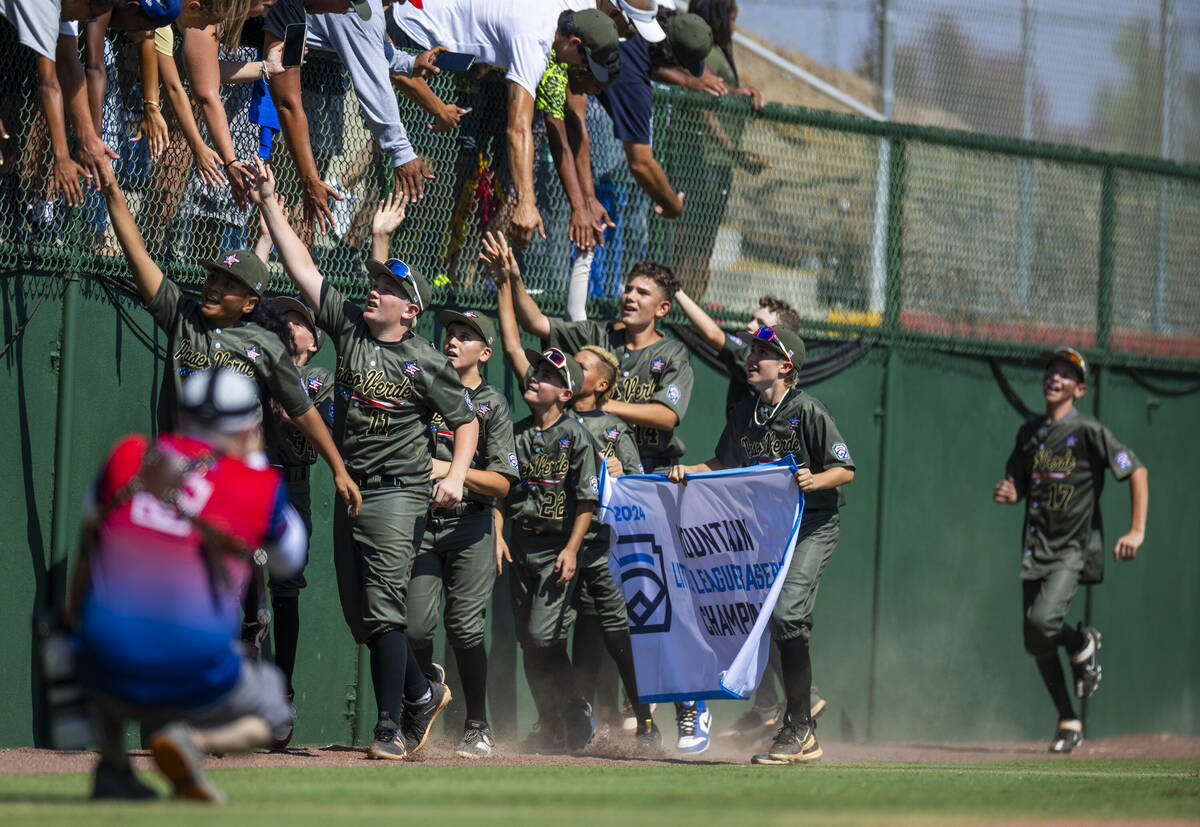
(892, 232)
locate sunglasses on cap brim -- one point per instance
(767, 335)
(559, 359)
(402, 271)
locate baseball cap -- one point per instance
(600, 43)
(161, 12)
(691, 39)
(244, 266)
(478, 322)
(564, 365)
(646, 22)
(1069, 355)
(785, 341)
(414, 283)
(220, 400)
(286, 303)
(363, 8)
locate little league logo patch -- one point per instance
(657, 366)
(412, 368)
(594, 484)
(672, 394)
(841, 451)
(467, 398)
(1123, 461)
(512, 460)
(612, 434)
(253, 353)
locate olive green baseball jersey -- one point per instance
(557, 472)
(385, 394)
(660, 373)
(799, 425)
(613, 437)
(245, 347)
(1059, 470)
(495, 451)
(289, 446)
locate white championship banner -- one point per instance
(701, 567)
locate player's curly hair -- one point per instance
(608, 369)
(267, 314)
(788, 317)
(660, 274)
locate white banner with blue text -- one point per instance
(701, 566)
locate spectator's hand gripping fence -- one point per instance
(701, 567)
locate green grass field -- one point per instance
(574, 796)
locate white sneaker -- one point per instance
(694, 722)
(477, 741)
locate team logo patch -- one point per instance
(483, 407)
(470, 314)
(253, 353)
(612, 434)
(594, 484)
(467, 397)
(412, 368)
(736, 340)
(230, 260)
(565, 443)
(794, 422)
(314, 384)
(512, 460)
(657, 366)
(1071, 440)
(1123, 461)
(841, 451)
(672, 394)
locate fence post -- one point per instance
(63, 477)
(895, 238)
(1108, 217)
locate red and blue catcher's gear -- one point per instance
(167, 571)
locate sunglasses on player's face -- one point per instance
(401, 271)
(767, 335)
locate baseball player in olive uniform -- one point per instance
(218, 332)
(388, 384)
(651, 393)
(550, 508)
(291, 453)
(785, 420)
(1057, 466)
(458, 549)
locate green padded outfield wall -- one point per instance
(918, 621)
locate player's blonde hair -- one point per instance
(611, 366)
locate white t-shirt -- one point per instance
(516, 35)
(36, 22)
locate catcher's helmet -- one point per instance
(220, 400)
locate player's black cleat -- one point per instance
(1068, 736)
(389, 742)
(477, 741)
(795, 743)
(1084, 665)
(546, 738)
(579, 725)
(419, 718)
(649, 740)
(112, 781)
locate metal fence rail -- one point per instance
(989, 245)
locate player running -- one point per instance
(389, 382)
(1057, 466)
(785, 420)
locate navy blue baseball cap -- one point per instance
(161, 12)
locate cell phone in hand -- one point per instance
(293, 44)
(454, 61)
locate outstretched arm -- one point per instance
(647, 414)
(498, 255)
(1139, 501)
(291, 250)
(145, 272)
(705, 325)
(388, 216)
